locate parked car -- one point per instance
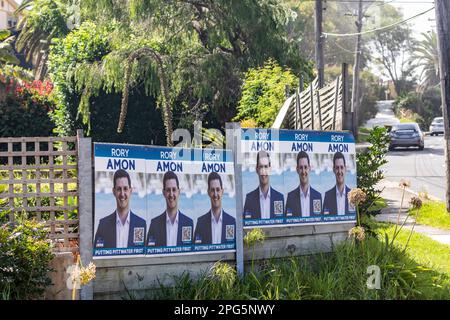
(406, 135)
(437, 126)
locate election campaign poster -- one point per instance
(180, 201)
(120, 188)
(297, 177)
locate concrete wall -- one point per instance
(3, 20)
(116, 277)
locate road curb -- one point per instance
(362, 147)
(430, 197)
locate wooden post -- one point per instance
(335, 105)
(319, 42)
(85, 206)
(299, 124)
(233, 136)
(355, 87)
(318, 109)
(346, 113)
(311, 97)
(442, 9)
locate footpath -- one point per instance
(392, 192)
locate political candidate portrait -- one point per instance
(335, 201)
(216, 226)
(264, 202)
(172, 227)
(122, 228)
(303, 201)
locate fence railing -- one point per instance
(38, 180)
(316, 109)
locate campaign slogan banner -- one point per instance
(157, 201)
(297, 177)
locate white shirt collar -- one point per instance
(127, 221)
(307, 191)
(338, 194)
(261, 194)
(213, 218)
(168, 219)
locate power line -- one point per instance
(373, 30)
(344, 49)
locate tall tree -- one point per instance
(42, 20)
(204, 48)
(6, 50)
(426, 56)
(394, 47)
(338, 17)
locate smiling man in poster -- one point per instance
(216, 226)
(336, 202)
(264, 202)
(171, 228)
(303, 201)
(122, 228)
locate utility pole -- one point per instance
(355, 85)
(319, 42)
(442, 9)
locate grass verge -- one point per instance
(434, 214)
(420, 272)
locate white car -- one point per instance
(437, 126)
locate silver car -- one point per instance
(437, 126)
(406, 135)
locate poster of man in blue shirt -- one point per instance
(122, 228)
(264, 202)
(303, 201)
(216, 226)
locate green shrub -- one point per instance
(263, 93)
(70, 61)
(419, 107)
(368, 167)
(25, 255)
(25, 111)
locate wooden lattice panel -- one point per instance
(38, 180)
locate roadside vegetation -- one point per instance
(170, 63)
(434, 214)
(412, 266)
(422, 249)
(363, 134)
(342, 274)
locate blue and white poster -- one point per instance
(297, 177)
(162, 201)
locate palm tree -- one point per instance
(6, 50)
(41, 21)
(426, 57)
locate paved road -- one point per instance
(424, 169)
(385, 115)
